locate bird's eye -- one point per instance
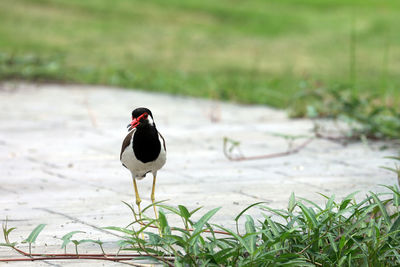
(145, 116)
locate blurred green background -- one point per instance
(253, 51)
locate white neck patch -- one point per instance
(150, 120)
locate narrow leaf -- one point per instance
(8, 231)
(184, 212)
(195, 210)
(311, 220)
(347, 200)
(250, 229)
(34, 234)
(395, 226)
(292, 202)
(171, 209)
(163, 221)
(238, 238)
(66, 238)
(252, 205)
(382, 209)
(200, 223)
(332, 242)
(154, 204)
(120, 229)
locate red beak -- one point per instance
(136, 121)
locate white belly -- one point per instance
(138, 168)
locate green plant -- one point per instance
(396, 168)
(32, 237)
(339, 233)
(366, 115)
(30, 67)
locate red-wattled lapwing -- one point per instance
(143, 150)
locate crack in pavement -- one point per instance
(14, 220)
(45, 168)
(253, 196)
(51, 264)
(42, 162)
(61, 176)
(78, 220)
(8, 190)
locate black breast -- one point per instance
(146, 144)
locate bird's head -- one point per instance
(140, 116)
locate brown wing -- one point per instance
(165, 148)
(125, 143)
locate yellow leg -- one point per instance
(152, 200)
(152, 196)
(138, 200)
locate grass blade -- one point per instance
(382, 209)
(251, 229)
(238, 238)
(34, 234)
(248, 207)
(198, 226)
(200, 223)
(184, 212)
(292, 202)
(67, 238)
(311, 220)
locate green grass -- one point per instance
(248, 51)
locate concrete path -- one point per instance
(59, 157)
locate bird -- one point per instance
(143, 151)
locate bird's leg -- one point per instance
(152, 195)
(152, 200)
(138, 200)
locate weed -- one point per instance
(345, 232)
(366, 114)
(30, 67)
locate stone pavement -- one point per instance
(60, 166)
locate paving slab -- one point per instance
(59, 157)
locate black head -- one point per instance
(140, 117)
(139, 111)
